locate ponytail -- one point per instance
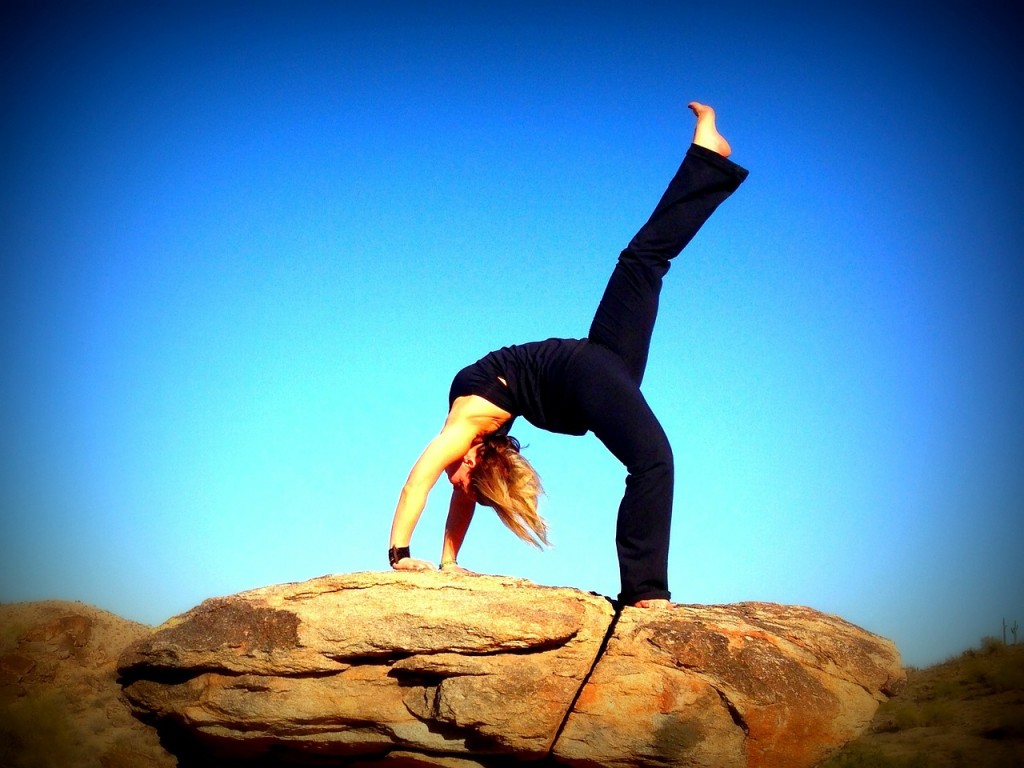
(507, 482)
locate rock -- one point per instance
(425, 670)
(751, 684)
(368, 663)
(59, 697)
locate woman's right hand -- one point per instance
(412, 564)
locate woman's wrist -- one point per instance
(397, 553)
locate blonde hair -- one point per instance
(507, 482)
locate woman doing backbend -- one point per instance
(573, 386)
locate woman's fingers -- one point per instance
(412, 564)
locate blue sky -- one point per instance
(245, 246)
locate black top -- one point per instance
(536, 376)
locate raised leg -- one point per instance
(625, 317)
(610, 371)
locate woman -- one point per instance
(573, 386)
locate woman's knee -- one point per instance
(655, 462)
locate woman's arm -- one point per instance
(460, 515)
(451, 445)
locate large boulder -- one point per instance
(756, 685)
(428, 669)
(372, 662)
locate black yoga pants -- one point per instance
(604, 378)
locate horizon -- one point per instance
(246, 247)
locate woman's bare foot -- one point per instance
(656, 603)
(706, 134)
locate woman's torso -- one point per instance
(526, 380)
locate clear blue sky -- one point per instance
(245, 246)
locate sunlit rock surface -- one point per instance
(427, 669)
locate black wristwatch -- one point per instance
(397, 553)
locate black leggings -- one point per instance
(604, 378)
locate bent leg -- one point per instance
(620, 417)
(625, 316)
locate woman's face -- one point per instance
(459, 471)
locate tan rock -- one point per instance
(752, 684)
(427, 670)
(370, 662)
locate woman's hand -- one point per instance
(412, 564)
(451, 445)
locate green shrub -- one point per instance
(990, 645)
(935, 713)
(948, 689)
(904, 716)
(1008, 673)
(1002, 672)
(900, 716)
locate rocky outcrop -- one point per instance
(59, 698)
(752, 684)
(432, 670)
